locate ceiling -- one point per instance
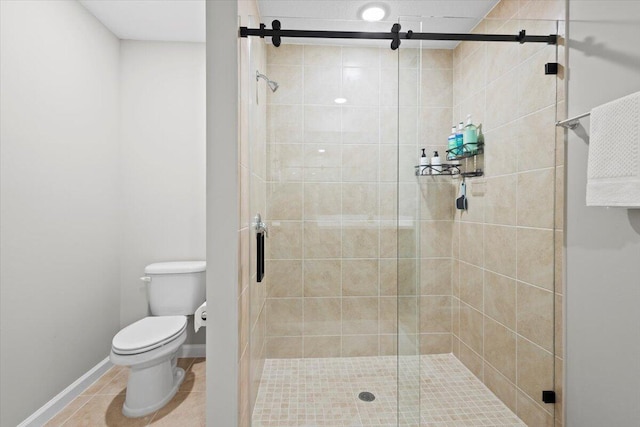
(184, 20)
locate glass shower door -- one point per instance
(485, 290)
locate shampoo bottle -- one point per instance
(436, 164)
(470, 137)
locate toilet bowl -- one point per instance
(149, 347)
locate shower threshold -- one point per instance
(324, 392)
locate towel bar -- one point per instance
(573, 122)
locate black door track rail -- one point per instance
(395, 35)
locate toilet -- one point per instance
(150, 346)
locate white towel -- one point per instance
(613, 173)
(198, 321)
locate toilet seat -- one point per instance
(148, 334)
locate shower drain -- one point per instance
(366, 396)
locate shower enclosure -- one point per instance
(382, 303)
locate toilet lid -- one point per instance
(148, 333)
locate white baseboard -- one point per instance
(193, 350)
(62, 399)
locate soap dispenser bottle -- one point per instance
(424, 163)
(470, 137)
(436, 164)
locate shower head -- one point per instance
(272, 85)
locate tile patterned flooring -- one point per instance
(101, 403)
(315, 393)
(323, 392)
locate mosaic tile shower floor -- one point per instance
(324, 392)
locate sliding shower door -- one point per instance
(487, 226)
(334, 320)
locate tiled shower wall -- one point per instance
(331, 205)
(504, 282)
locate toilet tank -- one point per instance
(175, 287)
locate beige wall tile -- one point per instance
(408, 317)
(472, 360)
(436, 59)
(531, 413)
(322, 278)
(435, 238)
(326, 56)
(436, 88)
(535, 369)
(284, 124)
(531, 76)
(500, 386)
(359, 201)
(322, 162)
(322, 316)
(361, 85)
(436, 200)
(559, 326)
(359, 345)
(500, 200)
(283, 347)
(535, 198)
(435, 276)
(284, 316)
(407, 277)
(471, 327)
(500, 298)
(285, 240)
(322, 239)
(471, 242)
(388, 307)
(471, 285)
(500, 249)
(359, 163)
(284, 201)
(535, 315)
(435, 343)
(322, 346)
(500, 348)
(535, 135)
(320, 124)
(322, 85)
(388, 345)
(360, 239)
(360, 277)
(289, 93)
(388, 277)
(360, 126)
(290, 54)
(285, 162)
(501, 154)
(503, 107)
(285, 278)
(322, 201)
(435, 314)
(360, 315)
(535, 257)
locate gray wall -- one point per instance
(59, 227)
(162, 130)
(603, 245)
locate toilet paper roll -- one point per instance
(200, 317)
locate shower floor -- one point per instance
(324, 392)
